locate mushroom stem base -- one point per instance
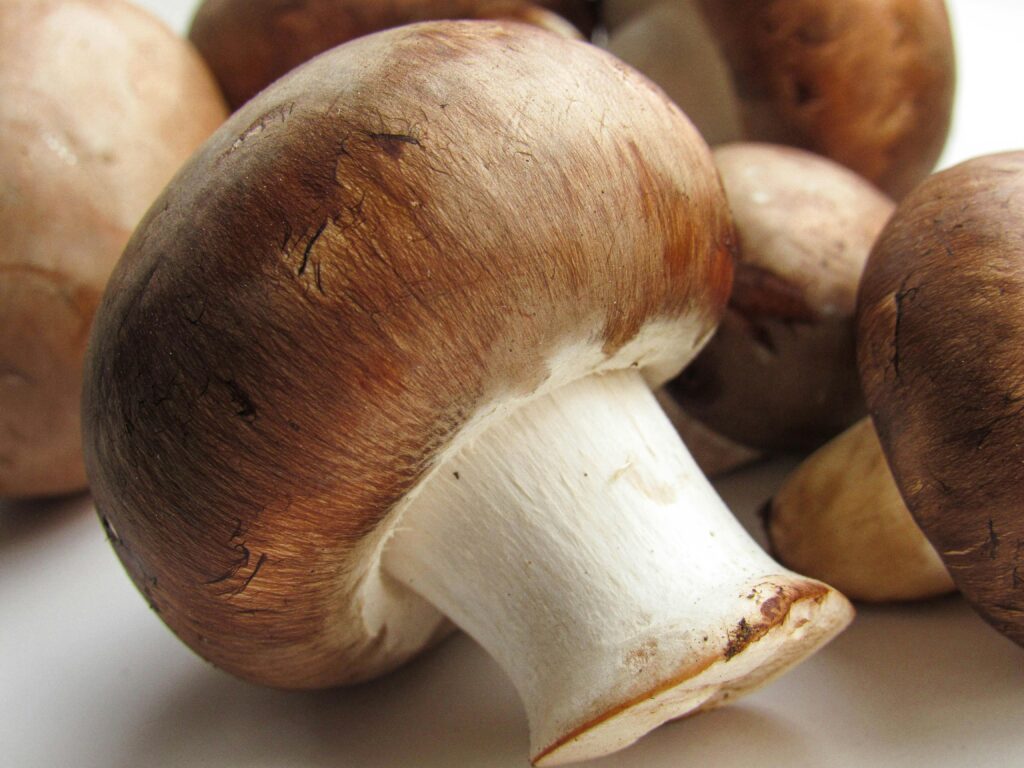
(579, 544)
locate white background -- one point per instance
(89, 677)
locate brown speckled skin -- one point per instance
(941, 329)
(781, 371)
(868, 83)
(251, 43)
(100, 106)
(387, 240)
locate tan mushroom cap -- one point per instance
(251, 43)
(101, 105)
(781, 372)
(370, 257)
(940, 332)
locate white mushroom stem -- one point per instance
(579, 544)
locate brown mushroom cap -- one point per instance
(101, 105)
(868, 83)
(781, 373)
(365, 260)
(251, 43)
(940, 333)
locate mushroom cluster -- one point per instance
(392, 353)
(868, 83)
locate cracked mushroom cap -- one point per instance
(380, 252)
(781, 371)
(867, 83)
(940, 332)
(101, 105)
(251, 43)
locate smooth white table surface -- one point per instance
(89, 677)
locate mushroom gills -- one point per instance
(577, 541)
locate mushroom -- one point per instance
(940, 326)
(781, 373)
(101, 104)
(868, 83)
(250, 44)
(839, 517)
(354, 375)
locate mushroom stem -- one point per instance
(578, 543)
(840, 517)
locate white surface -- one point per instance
(89, 677)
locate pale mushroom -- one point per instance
(839, 517)
(101, 105)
